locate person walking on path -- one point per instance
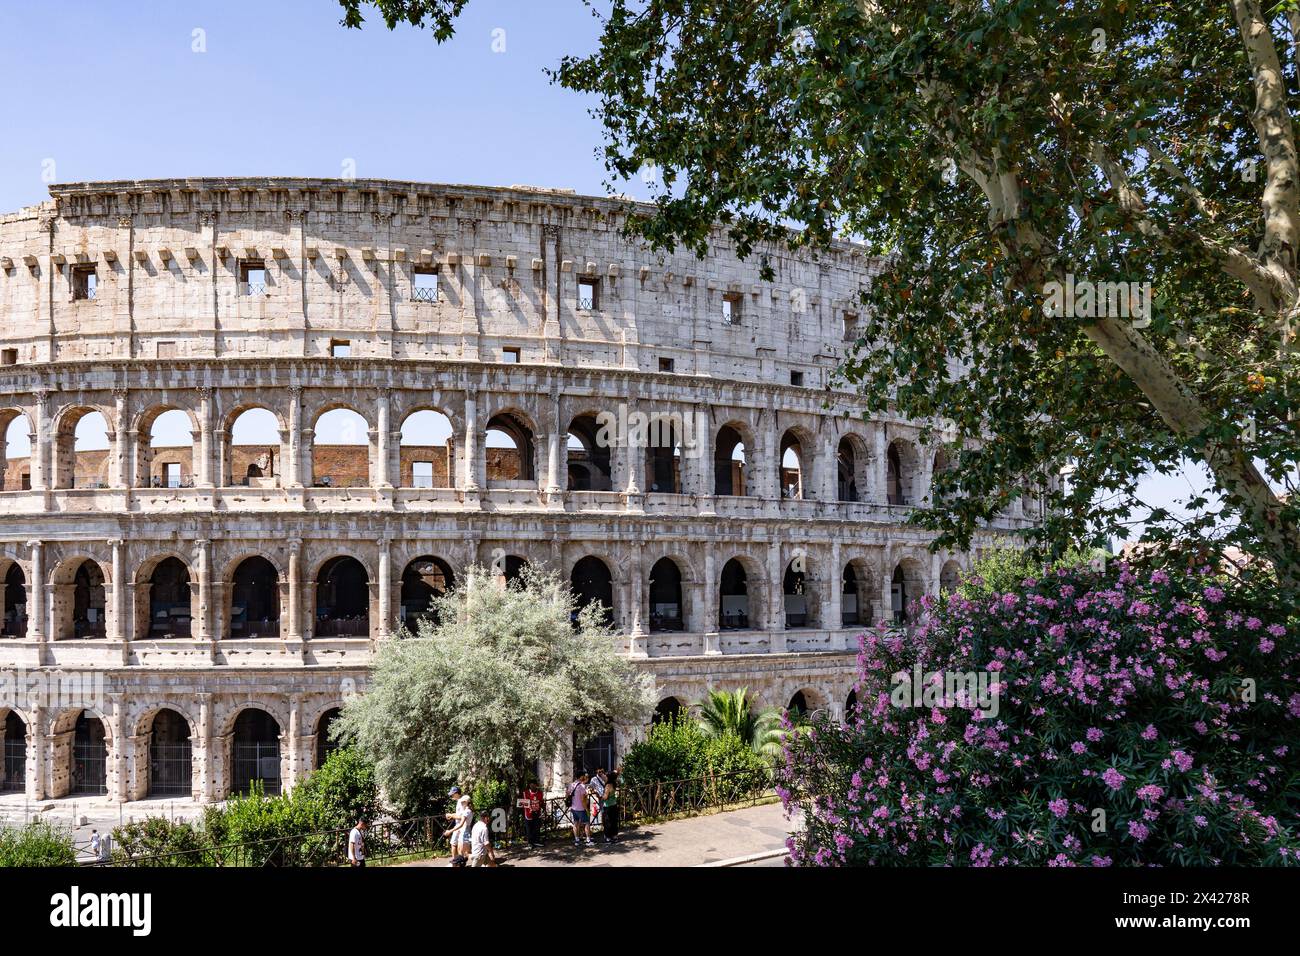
(578, 810)
(481, 852)
(532, 805)
(357, 844)
(610, 810)
(463, 828)
(596, 794)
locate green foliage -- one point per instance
(680, 749)
(1004, 569)
(159, 836)
(342, 791)
(730, 712)
(36, 844)
(489, 794)
(503, 678)
(981, 152)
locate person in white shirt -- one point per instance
(357, 844)
(480, 849)
(462, 829)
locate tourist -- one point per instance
(357, 844)
(578, 810)
(480, 849)
(595, 794)
(532, 804)
(464, 816)
(95, 846)
(610, 809)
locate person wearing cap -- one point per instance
(464, 817)
(481, 852)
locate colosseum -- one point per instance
(252, 425)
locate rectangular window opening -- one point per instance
(424, 284)
(731, 308)
(796, 378)
(422, 474)
(252, 277)
(9, 357)
(340, 348)
(510, 355)
(850, 326)
(666, 365)
(85, 282)
(588, 293)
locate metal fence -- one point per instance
(394, 839)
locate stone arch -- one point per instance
(588, 458)
(344, 456)
(165, 754)
(422, 462)
(907, 585)
(252, 605)
(665, 433)
(593, 583)
(14, 598)
(166, 597)
(165, 465)
(858, 592)
(253, 446)
(741, 594)
(805, 700)
(80, 598)
(731, 474)
(324, 745)
(424, 578)
(75, 464)
(515, 430)
(80, 743)
(255, 750)
(902, 472)
(669, 708)
(950, 575)
(800, 593)
(15, 729)
(852, 460)
(343, 597)
(795, 456)
(667, 593)
(16, 450)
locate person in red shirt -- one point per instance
(532, 806)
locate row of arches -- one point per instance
(167, 599)
(344, 451)
(165, 753)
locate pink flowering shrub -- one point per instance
(1150, 721)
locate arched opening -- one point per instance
(16, 468)
(855, 594)
(340, 450)
(254, 455)
(423, 580)
(509, 449)
(255, 752)
(666, 597)
(664, 454)
(166, 460)
(949, 576)
(170, 600)
(79, 601)
(851, 707)
(171, 756)
(595, 753)
(81, 450)
(733, 606)
(89, 757)
(14, 778)
(729, 463)
(906, 586)
(798, 707)
(792, 477)
(942, 465)
(592, 584)
(342, 599)
(846, 460)
(255, 599)
(588, 457)
(324, 745)
(428, 450)
(796, 589)
(900, 473)
(15, 607)
(667, 710)
(510, 570)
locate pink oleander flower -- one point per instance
(1150, 792)
(1093, 734)
(1113, 778)
(1150, 732)
(1138, 831)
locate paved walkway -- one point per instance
(694, 841)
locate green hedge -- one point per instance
(36, 844)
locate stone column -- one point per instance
(36, 613)
(123, 447)
(203, 474)
(636, 598)
(833, 618)
(886, 590)
(709, 602)
(205, 786)
(293, 757)
(120, 778)
(472, 445)
(383, 439)
(207, 629)
(117, 631)
(36, 747)
(40, 441)
(385, 591)
(830, 490)
(295, 589)
(776, 599)
(702, 428)
(293, 473)
(877, 490)
(553, 450)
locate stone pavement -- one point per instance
(693, 841)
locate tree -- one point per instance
(993, 155)
(501, 680)
(1083, 718)
(730, 712)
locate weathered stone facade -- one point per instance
(219, 296)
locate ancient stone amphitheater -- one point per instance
(380, 384)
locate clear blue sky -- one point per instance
(98, 90)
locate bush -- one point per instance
(342, 791)
(1145, 721)
(158, 836)
(36, 844)
(489, 795)
(675, 749)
